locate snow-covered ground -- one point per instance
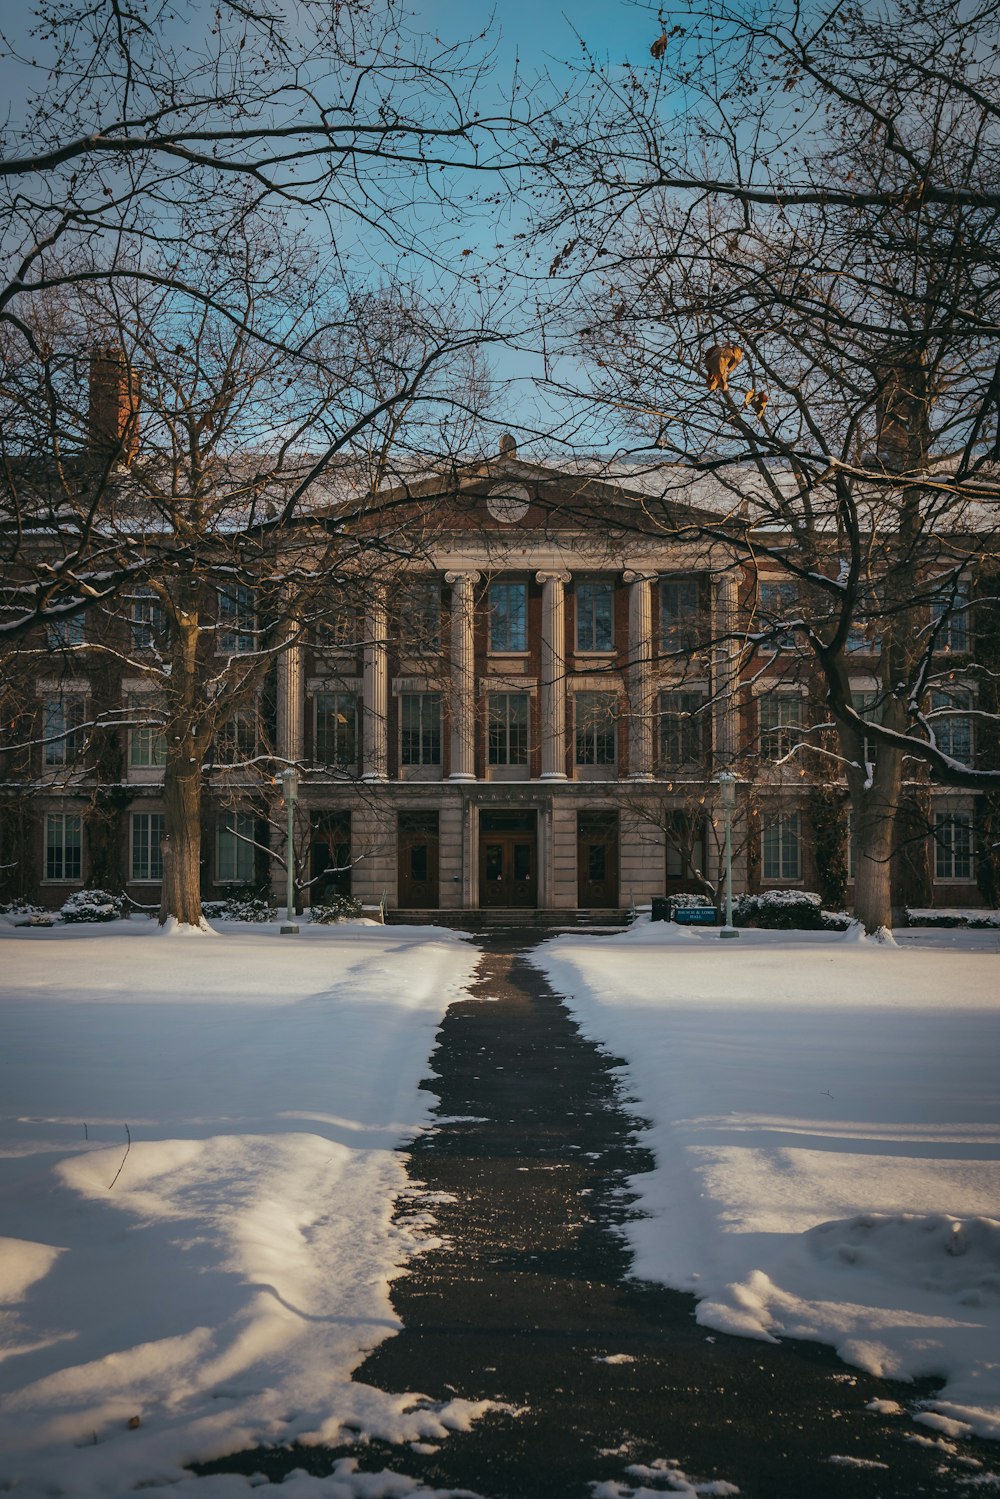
(221, 1279)
(825, 1116)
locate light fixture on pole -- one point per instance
(727, 796)
(289, 787)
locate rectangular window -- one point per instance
(681, 622)
(237, 629)
(64, 728)
(595, 629)
(596, 715)
(682, 729)
(336, 726)
(147, 620)
(508, 728)
(952, 846)
(63, 846)
(780, 724)
(418, 611)
(952, 614)
(869, 706)
(63, 632)
(420, 728)
(777, 604)
(234, 848)
(338, 629)
(147, 747)
(782, 847)
(147, 856)
(238, 739)
(508, 617)
(954, 731)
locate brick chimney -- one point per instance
(113, 424)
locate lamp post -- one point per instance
(727, 796)
(289, 787)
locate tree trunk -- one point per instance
(182, 780)
(874, 805)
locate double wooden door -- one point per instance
(508, 859)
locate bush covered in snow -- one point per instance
(691, 900)
(952, 916)
(340, 908)
(21, 908)
(241, 905)
(92, 905)
(786, 911)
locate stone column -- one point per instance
(375, 762)
(640, 675)
(726, 662)
(552, 704)
(463, 675)
(291, 700)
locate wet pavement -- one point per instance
(529, 1302)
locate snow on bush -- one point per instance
(340, 908)
(788, 910)
(240, 906)
(21, 908)
(92, 905)
(952, 916)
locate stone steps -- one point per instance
(513, 916)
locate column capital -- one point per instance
(636, 575)
(462, 575)
(553, 575)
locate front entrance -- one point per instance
(508, 859)
(330, 862)
(596, 860)
(417, 861)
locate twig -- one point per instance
(124, 1157)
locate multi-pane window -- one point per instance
(595, 629)
(780, 724)
(63, 846)
(147, 747)
(64, 732)
(782, 847)
(418, 610)
(869, 707)
(336, 725)
(147, 854)
(681, 620)
(508, 728)
(778, 603)
(147, 620)
(338, 627)
(682, 729)
(63, 632)
(596, 714)
(952, 846)
(234, 848)
(508, 617)
(420, 728)
(238, 739)
(953, 616)
(237, 619)
(954, 731)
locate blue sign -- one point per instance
(695, 915)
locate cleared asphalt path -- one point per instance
(531, 1296)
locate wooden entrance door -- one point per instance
(508, 859)
(597, 860)
(417, 861)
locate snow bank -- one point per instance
(197, 1173)
(826, 1122)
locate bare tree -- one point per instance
(788, 299)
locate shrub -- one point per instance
(788, 911)
(241, 905)
(92, 905)
(21, 908)
(952, 917)
(340, 908)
